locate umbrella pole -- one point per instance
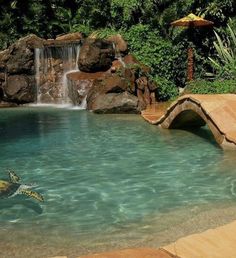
(190, 64)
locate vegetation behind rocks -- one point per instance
(144, 24)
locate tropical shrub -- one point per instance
(211, 87)
(166, 89)
(153, 50)
(144, 24)
(225, 61)
(104, 33)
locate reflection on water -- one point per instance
(10, 203)
(109, 182)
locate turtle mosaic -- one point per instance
(13, 187)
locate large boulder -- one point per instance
(70, 36)
(20, 89)
(96, 55)
(110, 83)
(17, 80)
(19, 57)
(81, 84)
(146, 90)
(120, 44)
(132, 62)
(115, 103)
(111, 94)
(121, 79)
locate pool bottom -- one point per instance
(109, 183)
(36, 243)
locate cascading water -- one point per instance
(118, 55)
(52, 64)
(72, 68)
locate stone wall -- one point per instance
(17, 76)
(21, 81)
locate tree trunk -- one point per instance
(190, 64)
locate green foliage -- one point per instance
(211, 87)
(152, 50)
(121, 10)
(8, 23)
(166, 89)
(144, 24)
(83, 28)
(95, 14)
(104, 33)
(64, 17)
(217, 10)
(225, 64)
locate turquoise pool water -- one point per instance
(108, 181)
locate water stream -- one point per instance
(52, 64)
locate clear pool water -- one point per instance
(109, 181)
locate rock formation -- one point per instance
(70, 37)
(120, 44)
(20, 88)
(109, 78)
(18, 69)
(96, 55)
(116, 103)
(122, 88)
(80, 83)
(17, 79)
(105, 89)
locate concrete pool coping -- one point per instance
(212, 243)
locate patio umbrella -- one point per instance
(191, 21)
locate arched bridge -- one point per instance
(193, 110)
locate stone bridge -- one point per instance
(191, 111)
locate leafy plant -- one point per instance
(104, 33)
(83, 28)
(211, 87)
(151, 49)
(166, 89)
(225, 64)
(217, 10)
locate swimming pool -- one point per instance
(109, 181)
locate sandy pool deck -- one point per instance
(212, 243)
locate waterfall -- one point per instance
(52, 64)
(118, 55)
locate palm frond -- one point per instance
(226, 52)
